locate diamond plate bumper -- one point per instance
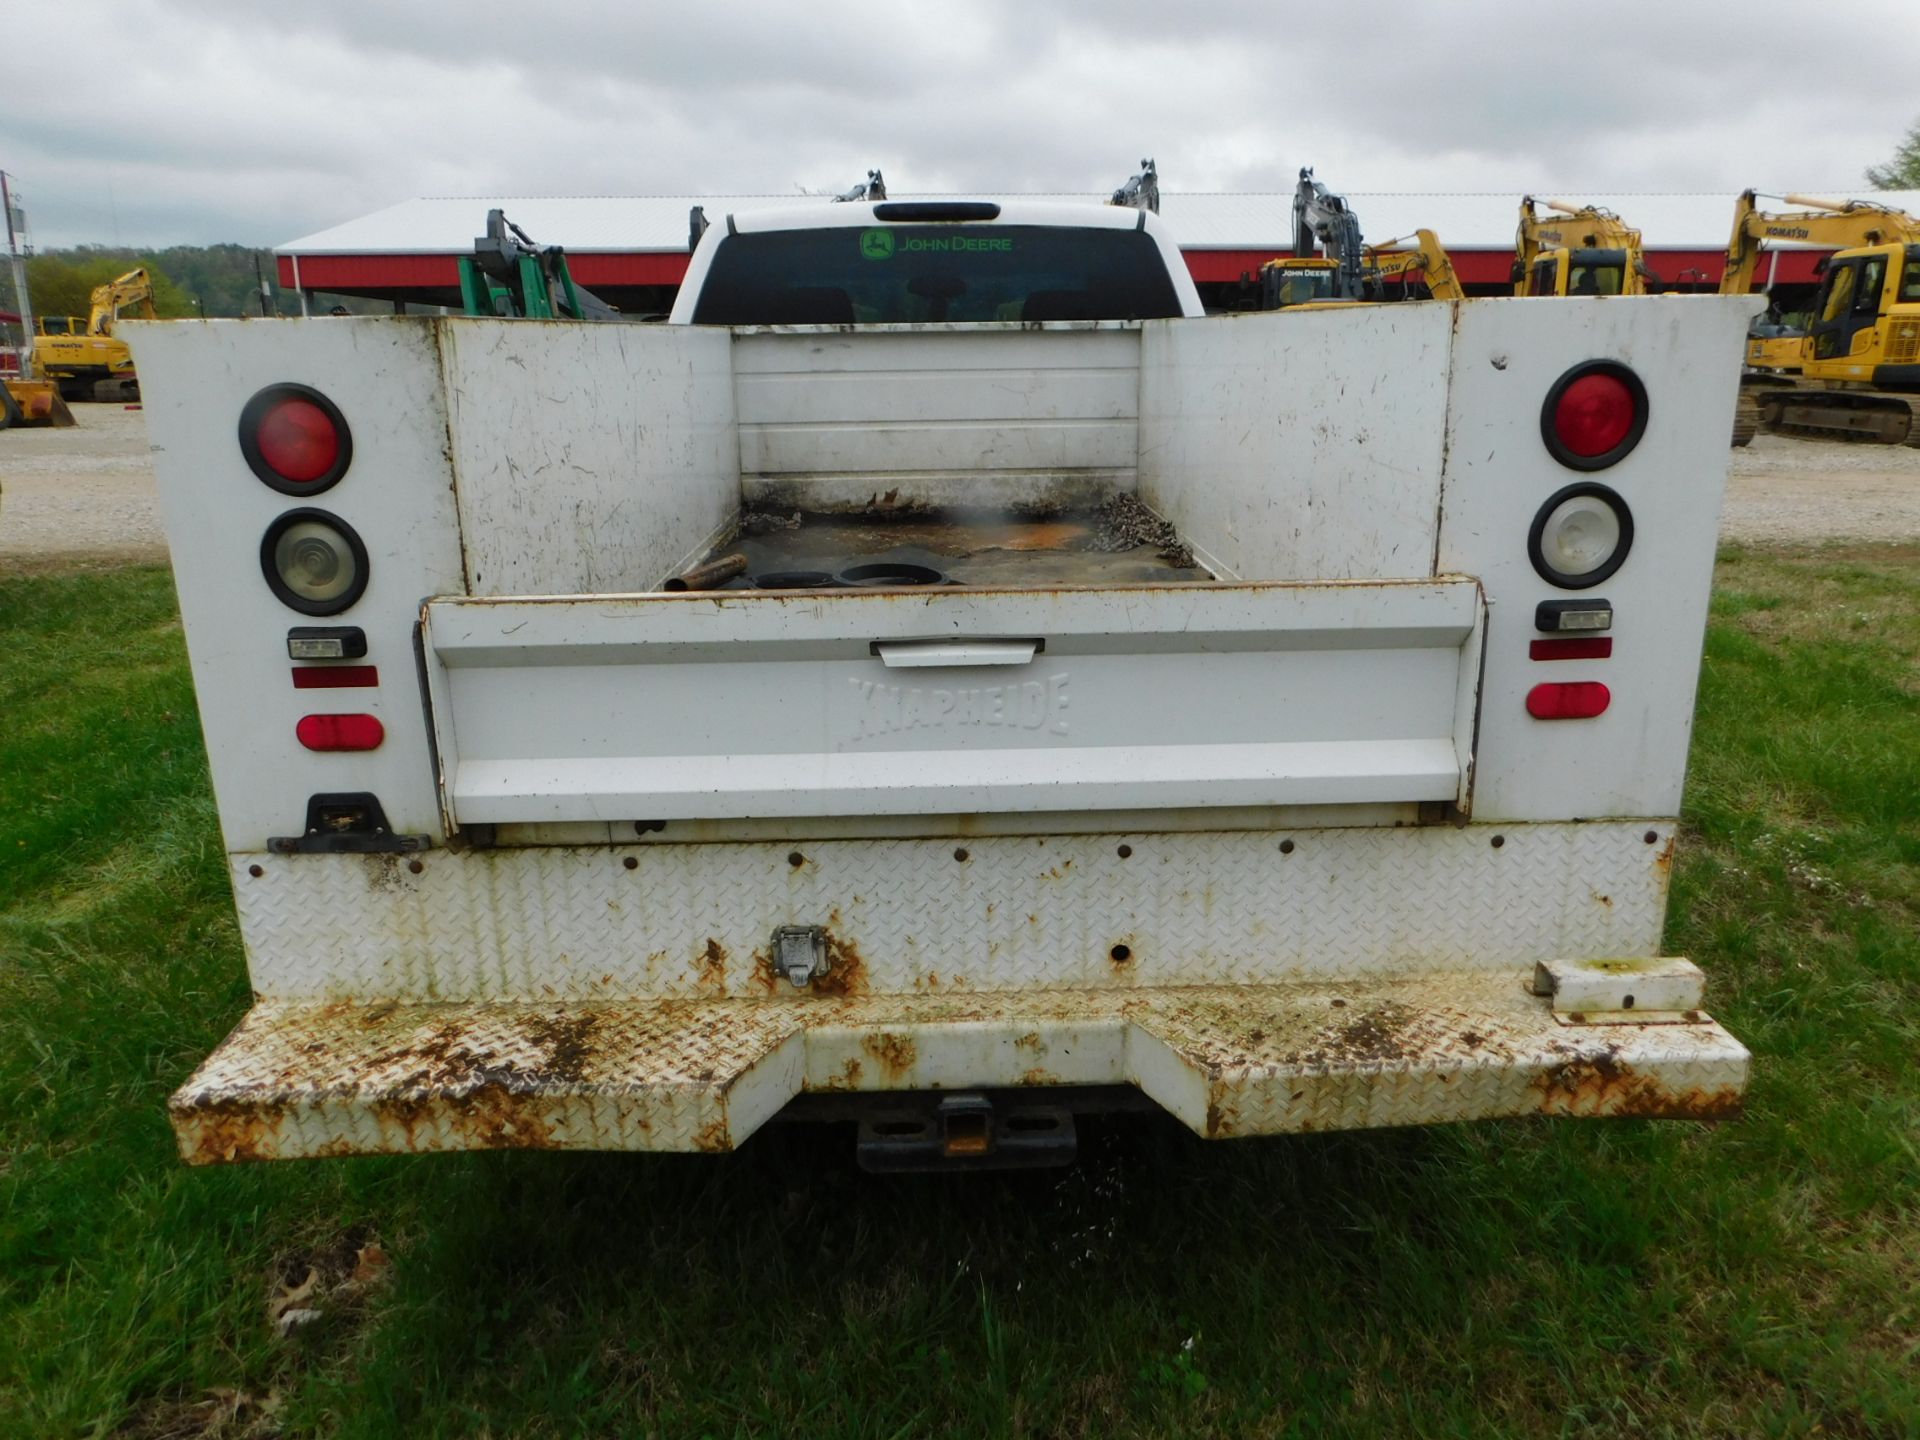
(299, 1079)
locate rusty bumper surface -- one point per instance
(306, 1080)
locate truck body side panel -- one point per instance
(398, 496)
(591, 459)
(1632, 759)
(1300, 446)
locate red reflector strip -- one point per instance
(347, 677)
(340, 732)
(1581, 647)
(1568, 700)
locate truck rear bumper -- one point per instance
(300, 1079)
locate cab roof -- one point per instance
(1014, 210)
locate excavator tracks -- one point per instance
(1866, 417)
(1746, 419)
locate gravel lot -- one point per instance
(85, 497)
(1798, 492)
(71, 499)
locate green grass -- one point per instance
(1537, 1278)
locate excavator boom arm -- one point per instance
(1575, 227)
(132, 291)
(1836, 225)
(1323, 218)
(1430, 258)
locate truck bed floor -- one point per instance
(1086, 548)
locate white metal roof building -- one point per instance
(641, 240)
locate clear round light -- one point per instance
(315, 561)
(1580, 535)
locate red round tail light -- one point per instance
(340, 732)
(298, 441)
(295, 439)
(1594, 415)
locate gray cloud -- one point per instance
(233, 120)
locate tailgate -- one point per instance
(738, 704)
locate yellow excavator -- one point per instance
(96, 363)
(1428, 258)
(1576, 250)
(1349, 272)
(1294, 282)
(1855, 371)
(26, 396)
(1309, 279)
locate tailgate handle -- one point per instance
(927, 654)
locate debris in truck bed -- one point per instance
(710, 576)
(762, 522)
(1125, 523)
(891, 504)
(1118, 545)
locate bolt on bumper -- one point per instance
(299, 1079)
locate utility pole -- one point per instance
(14, 242)
(266, 295)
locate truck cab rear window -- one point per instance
(920, 274)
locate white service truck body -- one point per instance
(1287, 840)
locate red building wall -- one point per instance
(398, 274)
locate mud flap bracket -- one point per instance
(1622, 991)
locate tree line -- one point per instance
(215, 281)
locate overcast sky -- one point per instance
(153, 122)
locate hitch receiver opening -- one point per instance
(969, 1131)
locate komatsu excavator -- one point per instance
(1855, 373)
(96, 364)
(1577, 250)
(1428, 258)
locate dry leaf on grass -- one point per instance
(293, 1297)
(370, 1265)
(291, 1322)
